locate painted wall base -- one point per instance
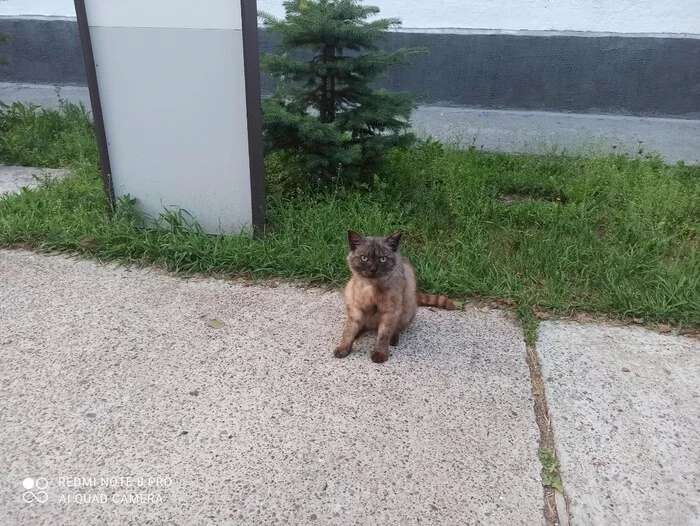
(621, 75)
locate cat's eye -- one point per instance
(382, 259)
(363, 258)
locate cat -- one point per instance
(381, 293)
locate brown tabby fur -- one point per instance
(381, 295)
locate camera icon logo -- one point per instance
(40, 484)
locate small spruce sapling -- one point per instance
(325, 110)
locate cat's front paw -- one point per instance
(380, 356)
(341, 351)
(394, 339)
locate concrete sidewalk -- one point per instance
(625, 407)
(495, 130)
(114, 372)
(130, 396)
(539, 131)
(14, 178)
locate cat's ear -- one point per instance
(354, 239)
(393, 241)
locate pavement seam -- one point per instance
(553, 500)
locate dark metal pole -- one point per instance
(251, 65)
(91, 73)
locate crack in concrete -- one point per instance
(553, 500)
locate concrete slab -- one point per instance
(14, 178)
(116, 372)
(539, 131)
(43, 95)
(625, 406)
(495, 130)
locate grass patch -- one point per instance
(530, 324)
(558, 233)
(48, 138)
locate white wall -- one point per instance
(615, 16)
(37, 8)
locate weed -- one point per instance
(31, 136)
(550, 469)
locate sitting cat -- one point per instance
(381, 294)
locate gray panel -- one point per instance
(635, 76)
(42, 51)
(176, 123)
(610, 74)
(619, 75)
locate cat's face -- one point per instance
(373, 257)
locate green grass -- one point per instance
(607, 234)
(52, 138)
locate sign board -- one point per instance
(175, 92)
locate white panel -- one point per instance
(197, 14)
(37, 8)
(175, 118)
(615, 16)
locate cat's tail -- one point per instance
(433, 300)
